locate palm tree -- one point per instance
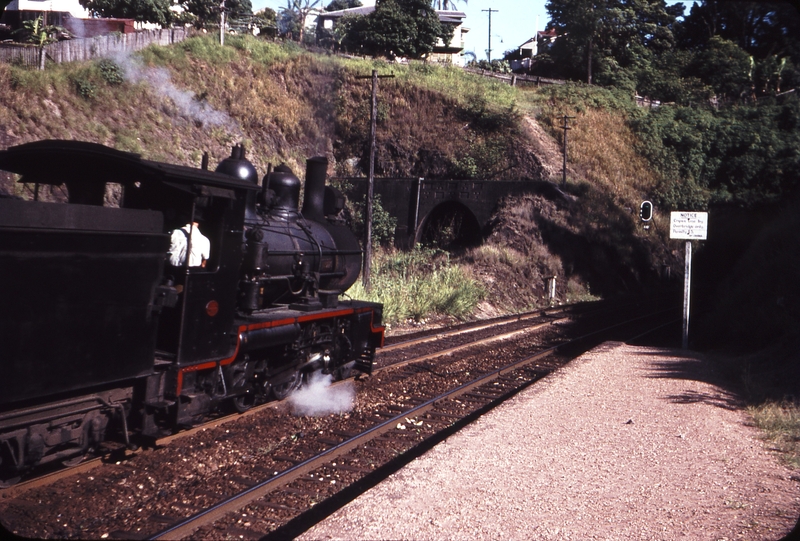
(301, 9)
(39, 33)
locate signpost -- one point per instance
(688, 226)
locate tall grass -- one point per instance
(418, 284)
(780, 422)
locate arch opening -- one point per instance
(449, 226)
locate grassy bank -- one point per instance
(780, 423)
(285, 104)
(419, 284)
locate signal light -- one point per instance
(646, 211)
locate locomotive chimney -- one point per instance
(313, 202)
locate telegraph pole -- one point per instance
(489, 52)
(222, 22)
(373, 126)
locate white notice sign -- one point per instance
(688, 225)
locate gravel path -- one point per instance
(626, 443)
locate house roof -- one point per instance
(539, 35)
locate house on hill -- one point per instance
(448, 53)
(522, 58)
(68, 14)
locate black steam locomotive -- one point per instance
(104, 336)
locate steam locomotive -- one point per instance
(102, 337)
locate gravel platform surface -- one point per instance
(627, 442)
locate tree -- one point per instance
(337, 5)
(397, 28)
(760, 28)
(40, 34)
(769, 32)
(240, 14)
(616, 38)
(148, 11)
(293, 17)
(578, 25)
(206, 12)
(726, 67)
(266, 20)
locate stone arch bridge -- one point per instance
(421, 206)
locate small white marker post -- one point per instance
(689, 226)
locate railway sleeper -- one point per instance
(242, 533)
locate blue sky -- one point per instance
(512, 24)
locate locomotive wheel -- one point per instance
(282, 390)
(242, 402)
(10, 482)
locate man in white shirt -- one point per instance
(201, 246)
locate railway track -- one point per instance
(296, 484)
(458, 337)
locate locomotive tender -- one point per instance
(101, 337)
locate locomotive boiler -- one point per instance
(103, 336)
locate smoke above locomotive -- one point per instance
(203, 290)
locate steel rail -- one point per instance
(448, 334)
(218, 511)
(258, 491)
(49, 478)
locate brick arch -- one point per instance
(450, 213)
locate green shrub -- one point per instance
(419, 284)
(85, 88)
(110, 71)
(383, 223)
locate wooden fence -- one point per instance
(75, 50)
(513, 79)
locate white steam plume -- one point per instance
(317, 398)
(160, 80)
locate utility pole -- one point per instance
(489, 51)
(373, 126)
(222, 22)
(566, 127)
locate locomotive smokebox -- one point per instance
(314, 200)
